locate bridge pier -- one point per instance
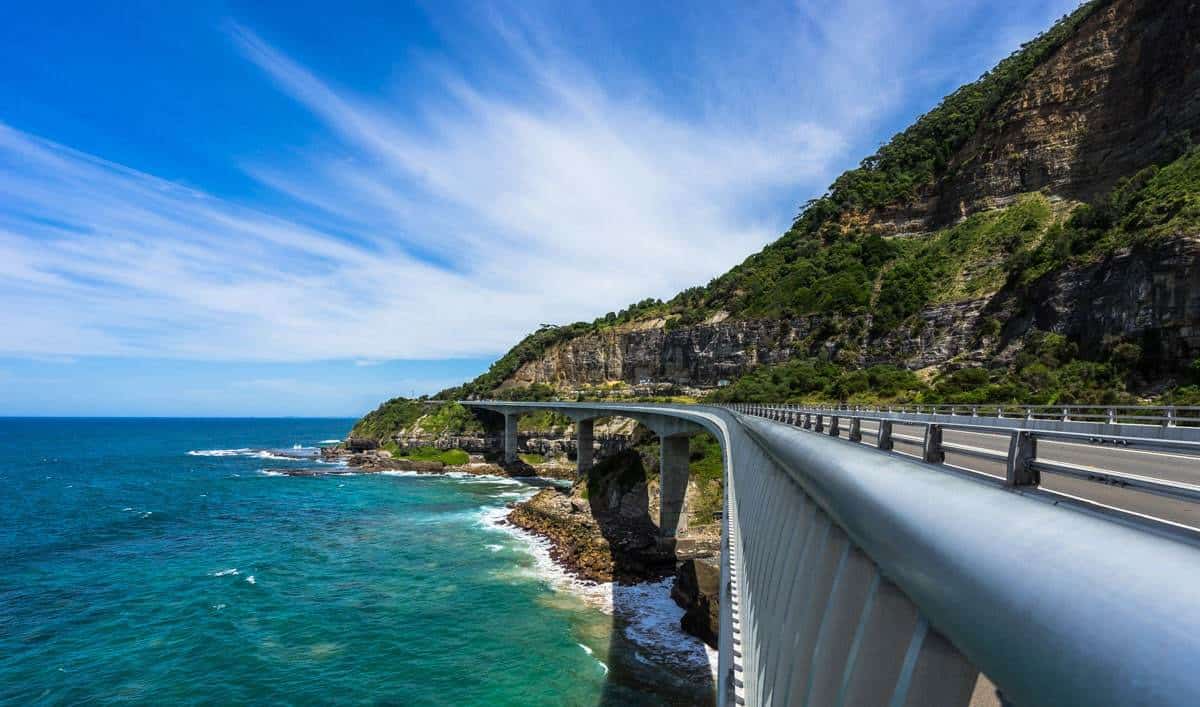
(673, 479)
(583, 445)
(510, 437)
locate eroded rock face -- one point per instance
(1119, 95)
(700, 355)
(697, 590)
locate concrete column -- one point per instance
(510, 437)
(583, 445)
(673, 468)
(855, 434)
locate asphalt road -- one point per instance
(1177, 467)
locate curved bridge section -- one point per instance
(854, 576)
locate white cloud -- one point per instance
(433, 226)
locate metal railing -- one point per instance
(1161, 415)
(851, 577)
(1158, 428)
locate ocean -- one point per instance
(163, 561)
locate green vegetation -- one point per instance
(385, 421)
(532, 458)
(541, 420)
(706, 467)
(450, 418)
(1152, 204)
(388, 419)
(923, 152)
(1047, 371)
(960, 262)
(449, 457)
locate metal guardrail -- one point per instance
(851, 577)
(1156, 428)
(1164, 415)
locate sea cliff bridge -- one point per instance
(889, 556)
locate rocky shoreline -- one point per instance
(601, 530)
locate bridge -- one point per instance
(891, 556)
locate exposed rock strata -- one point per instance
(1113, 99)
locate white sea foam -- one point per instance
(219, 452)
(330, 441)
(270, 472)
(494, 548)
(250, 579)
(649, 616)
(225, 573)
(585, 649)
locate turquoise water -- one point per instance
(134, 571)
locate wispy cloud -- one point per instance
(444, 224)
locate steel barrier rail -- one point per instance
(1165, 415)
(1023, 466)
(855, 577)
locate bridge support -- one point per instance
(820, 426)
(583, 445)
(673, 479)
(510, 437)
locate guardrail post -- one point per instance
(933, 452)
(1170, 422)
(855, 433)
(834, 430)
(1112, 416)
(1022, 450)
(999, 411)
(808, 420)
(1066, 416)
(820, 423)
(884, 441)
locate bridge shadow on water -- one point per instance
(645, 672)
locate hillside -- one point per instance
(1032, 238)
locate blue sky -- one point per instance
(227, 208)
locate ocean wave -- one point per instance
(330, 441)
(225, 573)
(250, 579)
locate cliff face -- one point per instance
(699, 355)
(1121, 93)
(1110, 101)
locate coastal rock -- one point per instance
(600, 529)
(697, 590)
